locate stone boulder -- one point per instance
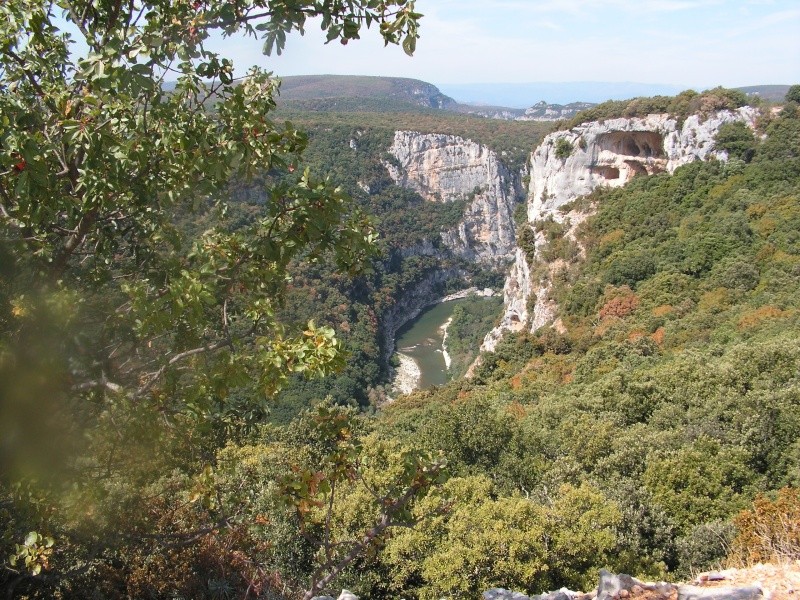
(503, 594)
(345, 595)
(691, 592)
(625, 587)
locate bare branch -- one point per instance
(228, 341)
(102, 383)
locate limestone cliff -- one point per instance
(444, 168)
(570, 164)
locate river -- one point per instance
(420, 341)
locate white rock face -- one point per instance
(608, 153)
(516, 291)
(444, 168)
(614, 151)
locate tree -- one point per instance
(737, 140)
(113, 315)
(793, 94)
(99, 154)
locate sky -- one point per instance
(685, 43)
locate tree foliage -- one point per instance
(793, 94)
(98, 155)
(130, 339)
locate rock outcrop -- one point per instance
(542, 111)
(345, 595)
(444, 168)
(570, 164)
(503, 594)
(516, 291)
(625, 587)
(733, 584)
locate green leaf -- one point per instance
(410, 44)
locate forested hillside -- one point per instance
(669, 401)
(382, 93)
(633, 438)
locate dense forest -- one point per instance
(633, 440)
(193, 371)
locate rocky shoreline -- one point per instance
(472, 291)
(445, 354)
(406, 376)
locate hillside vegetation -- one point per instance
(637, 440)
(656, 433)
(512, 140)
(681, 106)
(671, 401)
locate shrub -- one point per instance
(720, 98)
(582, 298)
(701, 482)
(755, 318)
(526, 240)
(521, 214)
(563, 148)
(629, 267)
(770, 530)
(737, 140)
(704, 547)
(620, 306)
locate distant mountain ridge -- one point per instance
(394, 91)
(774, 93)
(351, 93)
(356, 93)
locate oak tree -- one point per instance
(117, 121)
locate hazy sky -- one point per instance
(693, 43)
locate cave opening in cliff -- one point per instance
(641, 144)
(607, 172)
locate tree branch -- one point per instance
(23, 65)
(334, 567)
(228, 341)
(73, 242)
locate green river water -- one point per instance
(421, 339)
